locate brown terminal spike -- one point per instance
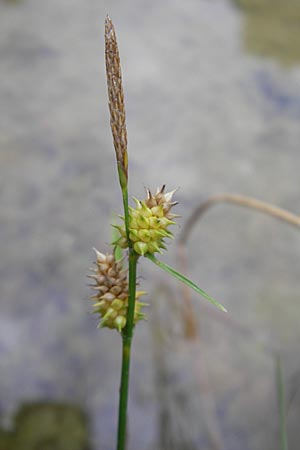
(116, 96)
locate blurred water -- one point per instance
(203, 115)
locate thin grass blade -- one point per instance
(185, 280)
(118, 251)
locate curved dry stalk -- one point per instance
(239, 200)
(189, 320)
(170, 394)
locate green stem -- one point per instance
(128, 330)
(126, 214)
(127, 338)
(123, 179)
(281, 403)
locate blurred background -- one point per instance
(212, 91)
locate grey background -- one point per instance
(202, 115)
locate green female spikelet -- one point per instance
(111, 298)
(149, 222)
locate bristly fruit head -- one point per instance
(149, 222)
(111, 297)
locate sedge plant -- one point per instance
(142, 233)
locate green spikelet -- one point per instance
(149, 222)
(111, 297)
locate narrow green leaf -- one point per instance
(184, 280)
(118, 251)
(281, 403)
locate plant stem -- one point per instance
(126, 351)
(281, 404)
(127, 332)
(126, 213)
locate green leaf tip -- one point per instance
(185, 280)
(118, 252)
(116, 232)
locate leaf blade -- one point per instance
(118, 251)
(185, 280)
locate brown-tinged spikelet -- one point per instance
(149, 222)
(115, 95)
(111, 297)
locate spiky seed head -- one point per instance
(161, 200)
(111, 298)
(149, 222)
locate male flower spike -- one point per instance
(149, 222)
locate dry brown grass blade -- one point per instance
(239, 200)
(115, 95)
(188, 315)
(176, 400)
